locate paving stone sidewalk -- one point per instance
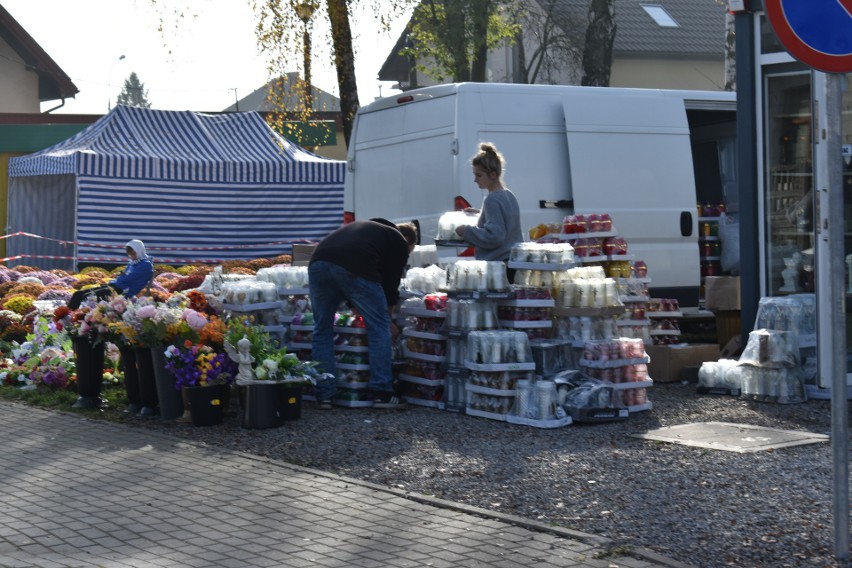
(77, 492)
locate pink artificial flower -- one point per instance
(195, 320)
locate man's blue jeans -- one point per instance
(330, 285)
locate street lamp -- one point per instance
(305, 10)
(109, 82)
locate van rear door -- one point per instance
(629, 156)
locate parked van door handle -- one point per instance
(686, 223)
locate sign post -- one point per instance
(819, 34)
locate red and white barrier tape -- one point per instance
(152, 248)
(111, 259)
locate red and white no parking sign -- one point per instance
(816, 32)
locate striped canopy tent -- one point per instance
(193, 187)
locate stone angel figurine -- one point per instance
(242, 356)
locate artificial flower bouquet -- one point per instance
(198, 365)
(276, 364)
(148, 323)
(47, 359)
(271, 363)
(73, 322)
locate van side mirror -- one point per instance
(686, 223)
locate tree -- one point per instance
(600, 37)
(556, 48)
(133, 93)
(279, 36)
(456, 36)
(730, 54)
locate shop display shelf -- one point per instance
(294, 291)
(352, 330)
(302, 327)
(352, 348)
(575, 236)
(596, 415)
(664, 315)
(424, 402)
(408, 332)
(555, 423)
(423, 356)
(633, 385)
(631, 322)
(563, 311)
(530, 366)
(481, 294)
(489, 391)
(612, 363)
(525, 324)
(421, 380)
(482, 414)
(654, 332)
(640, 407)
(422, 313)
(528, 303)
(544, 266)
(296, 346)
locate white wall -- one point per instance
(668, 74)
(18, 87)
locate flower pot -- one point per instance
(131, 376)
(260, 406)
(147, 383)
(290, 401)
(89, 360)
(269, 405)
(206, 404)
(171, 405)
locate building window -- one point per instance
(660, 15)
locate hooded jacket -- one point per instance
(138, 272)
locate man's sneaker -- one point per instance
(387, 400)
(323, 405)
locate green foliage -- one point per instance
(239, 327)
(454, 36)
(133, 93)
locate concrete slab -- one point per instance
(740, 438)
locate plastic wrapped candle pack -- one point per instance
(287, 277)
(584, 328)
(586, 287)
(536, 400)
(425, 280)
(470, 315)
(498, 347)
(543, 253)
(480, 275)
(248, 292)
(448, 222)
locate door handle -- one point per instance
(686, 223)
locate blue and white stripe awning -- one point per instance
(184, 180)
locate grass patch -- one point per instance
(54, 399)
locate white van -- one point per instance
(644, 156)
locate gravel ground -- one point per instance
(704, 507)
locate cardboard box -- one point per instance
(668, 361)
(302, 253)
(722, 293)
(728, 326)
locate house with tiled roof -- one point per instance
(672, 44)
(326, 121)
(28, 75)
